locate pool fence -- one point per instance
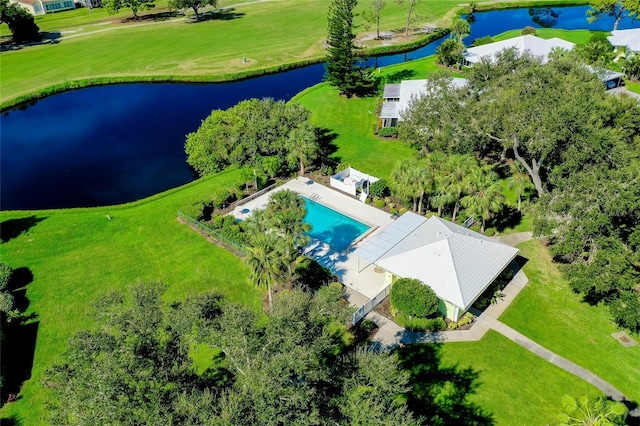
(370, 304)
(217, 236)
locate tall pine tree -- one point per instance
(342, 67)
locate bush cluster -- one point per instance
(230, 229)
(413, 298)
(379, 189)
(420, 324)
(388, 132)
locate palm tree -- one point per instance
(408, 181)
(286, 212)
(519, 181)
(442, 195)
(258, 222)
(302, 146)
(266, 261)
(459, 167)
(486, 197)
(586, 411)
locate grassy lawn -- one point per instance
(516, 386)
(633, 86)
(548, 312)
(262, 32)
(574, 36)
(76, 255)
(353, 122)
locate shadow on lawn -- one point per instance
(440, 393)
(326, 141)
(19, 338)
(12, 228)
(227, 14)
(398, 76)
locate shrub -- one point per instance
(528, 30)
(490, 232)
(466, 319)
(379, 188)
(198, 210)
(221, 198)
(379, 203)
(310, 273)
(368, 326)
(631, 66)
(413, 298)
(482, 41)
(420, 324)
(626, 311)
(450, 52)
(388, 132)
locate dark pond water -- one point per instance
(113, 144)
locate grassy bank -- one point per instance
(76, 255)
(179, 49)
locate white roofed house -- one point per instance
(536, 46)
(396, 98)
(457, 263)
(626, 39)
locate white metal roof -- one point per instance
(627, 38)
(535, 45)
(457, 263)
(407, 90)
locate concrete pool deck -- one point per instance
(361, 286)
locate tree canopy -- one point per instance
(617, 9)
(21, 23)
(251, 133)
(202, 361)
(579, 147)
(194, 5)
(114, 6)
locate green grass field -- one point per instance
(548, 312)
(76, 255)
(97, 45)
(517, 386)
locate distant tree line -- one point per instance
(579, 147)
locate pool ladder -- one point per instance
(315, 197)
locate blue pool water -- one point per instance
(331, 227)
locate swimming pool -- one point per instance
(331, 227)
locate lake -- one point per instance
(119, 143)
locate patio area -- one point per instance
(361, 286)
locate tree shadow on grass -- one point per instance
(155, 17)
(12, 228)
(326, 141)
(19, 338)
(227, 14)
(398, 76)
(509, 217)
(440, 393)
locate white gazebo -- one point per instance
(457, 263)
(351, 180)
